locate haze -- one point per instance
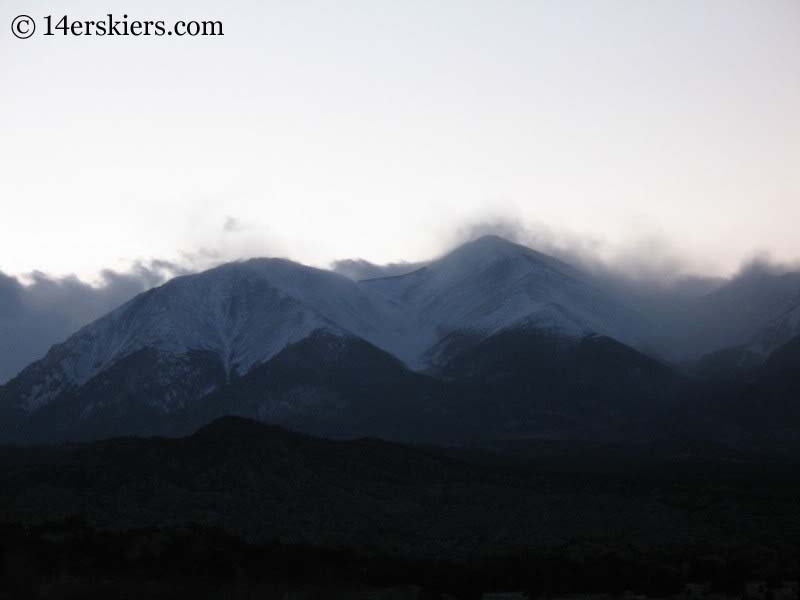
(321, 130)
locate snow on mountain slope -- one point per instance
(490, 284)
(242, 312)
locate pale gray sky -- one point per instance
(322, 130)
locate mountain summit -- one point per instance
(491, 284)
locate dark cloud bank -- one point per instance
(46, 310)
(43, 310)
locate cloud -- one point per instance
(232, 225)
(358, 269)
(38, 310)
(762, 264)
(642, 266)
(645, 261)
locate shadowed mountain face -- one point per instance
(134, 395)
(333, 386)
(768, 408)
(757, 311)
(515, 384)
(493, 340)
(543, 384)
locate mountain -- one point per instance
(758, 309)
(779, 331)
(178, 342)
(334, 386)
(741, 398)
(491, 284)
(279, 341)
(491, 340)
(519, 383)
(754, 351)
(529, 382)
(769, 408)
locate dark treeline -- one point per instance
(244, 510)
(70, 559)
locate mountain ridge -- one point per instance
(259, 338)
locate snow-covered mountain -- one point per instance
(491, 339)
(180, 342)
(491, 284)
(242, 313)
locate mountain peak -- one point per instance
(492, 243)
(491, 283)
(491, 249)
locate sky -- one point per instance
(384, 130)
